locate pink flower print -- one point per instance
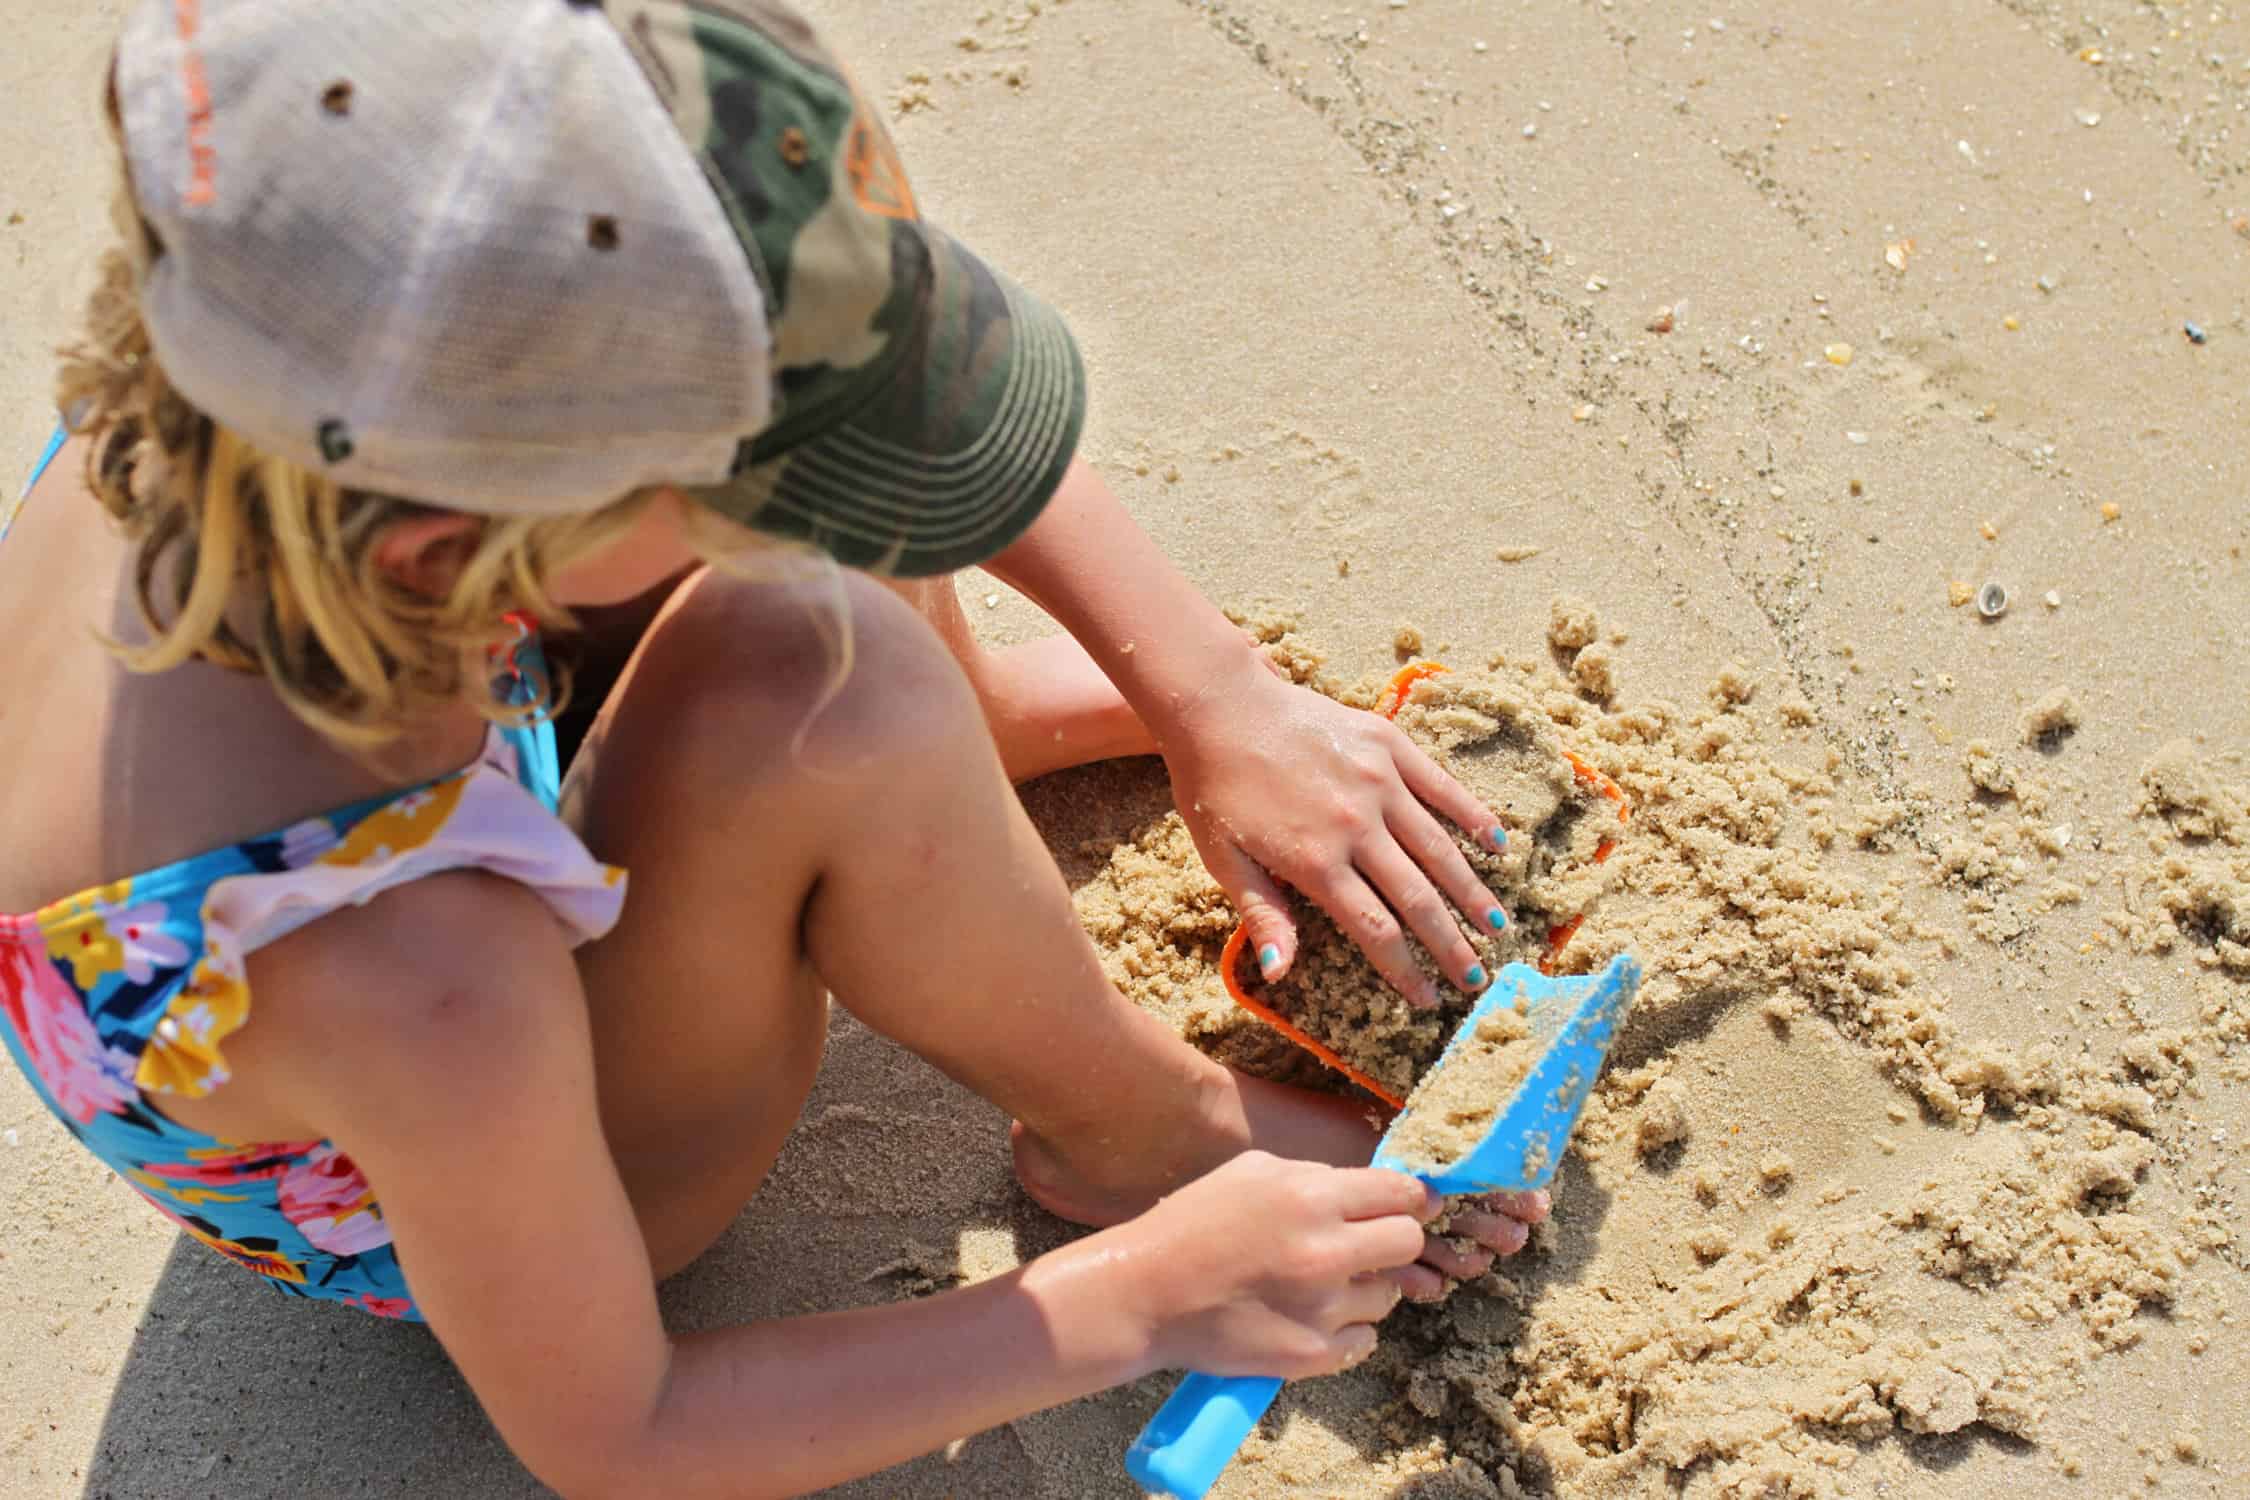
(206, 1174)
(143, 946)
(332, 1205)
(381, 1307)
(83, 1077)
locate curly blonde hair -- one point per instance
(252, 562)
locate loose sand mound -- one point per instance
(1810, 1211)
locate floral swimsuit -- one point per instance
(113, 999)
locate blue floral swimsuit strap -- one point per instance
(116, 998)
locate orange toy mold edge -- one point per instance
(1558, 937)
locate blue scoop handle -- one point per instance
(1194, 1436)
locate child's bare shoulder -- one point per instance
(424, 959)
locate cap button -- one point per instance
(335, 440)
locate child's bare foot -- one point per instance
(1050, 706)
(1108, 1180)
(1111, 1178)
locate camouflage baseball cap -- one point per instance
(526, 256)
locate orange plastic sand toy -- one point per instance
(1558, 937)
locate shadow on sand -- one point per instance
(894, 1180)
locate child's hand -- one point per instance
(1278, 783)
(1274, 1267)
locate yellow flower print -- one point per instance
(406, 824)
(182, 1056)
(186, 1191)
(268, 1263)
(78, 936)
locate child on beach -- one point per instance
(441, 330)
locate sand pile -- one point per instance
(1809, 1211)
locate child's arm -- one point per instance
(1274, 781)
(470, 1105)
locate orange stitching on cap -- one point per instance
(877, 177)
(203, 157)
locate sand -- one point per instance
(1452, 1107)
(1920, 1168)
(1777, 1316)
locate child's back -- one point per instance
(109, 771)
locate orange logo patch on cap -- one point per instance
(878, 179)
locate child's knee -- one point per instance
(830, 676)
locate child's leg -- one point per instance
(873, 843)
(1047, 703)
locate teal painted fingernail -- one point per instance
(1499, 838)
(1269, 959)
(1474, 979)
(1496, 919)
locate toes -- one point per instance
(1419, 1283)
(1496, 1232)
(1530, 1208)
(1441, 1255)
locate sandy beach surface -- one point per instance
(1769, 334)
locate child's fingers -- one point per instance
(1377, 1193)
(1428, 781)
(1431, 847)
(1264, 911)
(1424, 911)
(1368, 922)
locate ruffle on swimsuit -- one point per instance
(127, 994)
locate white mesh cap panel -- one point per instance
(419, 267)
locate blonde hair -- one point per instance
(219, 525)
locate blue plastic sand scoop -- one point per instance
(1194, 1435)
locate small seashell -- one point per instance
(1992, 600)
(1839, 355)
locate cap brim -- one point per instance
(955, 453)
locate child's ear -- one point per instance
(423, 553)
